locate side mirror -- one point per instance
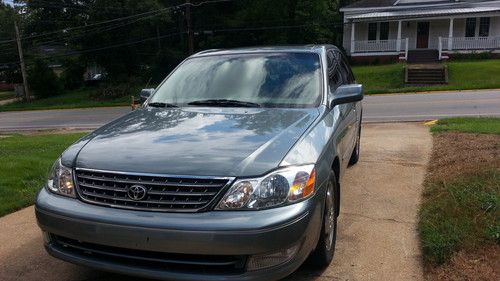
(145, 94)
(347, 94)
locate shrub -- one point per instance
(110, 91)
(72, 76)
(43, 81)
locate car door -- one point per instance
(350, 109)
(335, 80)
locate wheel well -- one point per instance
(336, 170)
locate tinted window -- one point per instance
(372, 31)
(274, 80)
(484, 27)
(470, 27)
(384, 31)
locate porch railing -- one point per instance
(376, 46)
(469, 43)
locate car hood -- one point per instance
(196, 141)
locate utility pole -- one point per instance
(189, 28)
(23, 66)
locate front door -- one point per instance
(423, 35)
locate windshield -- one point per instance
(267, 80)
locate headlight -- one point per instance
(280, 187)
(61, 180)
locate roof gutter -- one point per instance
(346, 9)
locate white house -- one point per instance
(392, 28)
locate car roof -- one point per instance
(266, 49)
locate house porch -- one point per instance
(378, 34)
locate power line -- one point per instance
(121, 18)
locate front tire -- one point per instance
(325, 249)
(355, 153)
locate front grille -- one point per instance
(162, 193)
(183, 263)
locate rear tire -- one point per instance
(355, 153)
(325, 249)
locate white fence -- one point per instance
(375, 46)
(468, 43)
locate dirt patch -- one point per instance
(459, 154)
(480, 265)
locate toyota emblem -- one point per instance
(136, 192)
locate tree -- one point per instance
(8, 47)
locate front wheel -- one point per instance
(355, 153)
(323, 254)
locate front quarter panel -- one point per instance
(319, 145)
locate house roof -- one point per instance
(371, 3)
(415, 13)
(402, 3)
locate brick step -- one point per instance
(426, 74)
(425, 82)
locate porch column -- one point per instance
(450, 35)
(353, 28)
(398, 43)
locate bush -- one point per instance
(72, 76)
(110, 91)
(43, 81)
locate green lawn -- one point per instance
(481, 125)
(25, 162)
(75, 99)
(463, 75)
(6, 95)
(461, 212)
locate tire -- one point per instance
(325, 249)
(355, 153)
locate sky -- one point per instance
(8, 1)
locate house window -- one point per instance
(470, 27)
(384, 31)
(372, 31)
(484, 27)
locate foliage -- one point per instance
(25, 164)
(150, 45)
(113, 91)
(482, 125)
(8, 50)
(72, 76)
(43, 81)
(461, 214)
(80, 98)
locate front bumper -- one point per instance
(216, 233)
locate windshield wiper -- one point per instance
(225, 102)
(161, 104)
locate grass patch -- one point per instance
(76, 99)
(7, 95)
(480, 125)
(463, 75)
(25, 164)
(462, 214)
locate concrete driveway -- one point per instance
(377, 237)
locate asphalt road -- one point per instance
(378, 108)
(377, 232)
